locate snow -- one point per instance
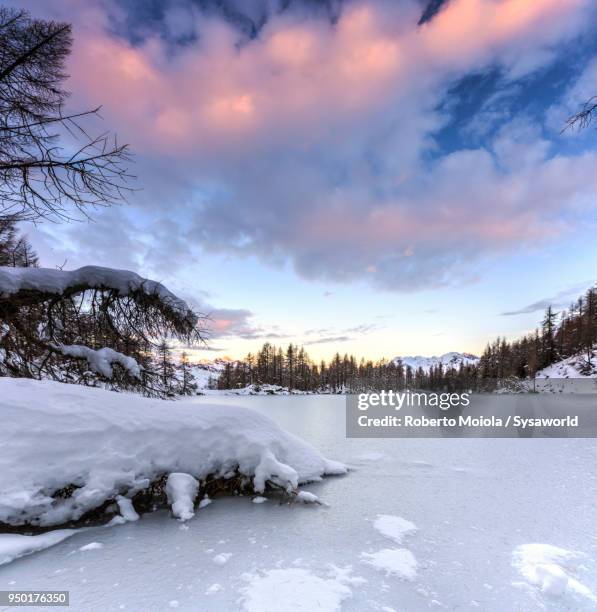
(259, 500)
(91, 546)
(394, 527)
(127, 511)
(289, 590)
(394, 561)
(100, 360)
(472, 503)
(551, 569)
(447, 360)
(222, 558)
(305, 497)
(48, 280)
(205, 502)
(13, 546)
(577, 366)
(108, 444)
(182, 490)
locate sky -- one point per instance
(374, 177)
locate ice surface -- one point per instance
(474, 503)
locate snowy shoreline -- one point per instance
(67, 452)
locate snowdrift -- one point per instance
(68, 450)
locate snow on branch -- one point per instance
(16, 281)
(101, 360)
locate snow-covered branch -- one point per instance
(16, 281)
(101, 360)
(94, 314)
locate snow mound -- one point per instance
(394, 561)
(394, 527)
(288, 590)
(551, 569)
(182, 490)
(13, 546)
(67, 449)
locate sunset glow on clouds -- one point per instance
(329, 144)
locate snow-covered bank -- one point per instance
(66, 450)
(577, 366)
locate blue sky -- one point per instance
(344, 174)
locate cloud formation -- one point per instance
(313, 140)
(562, 299)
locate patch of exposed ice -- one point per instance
(373, 456)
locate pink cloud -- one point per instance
(310, 140)
(299, 75)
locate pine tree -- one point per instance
(165, 369)
(187, 382)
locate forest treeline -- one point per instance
(572, 332)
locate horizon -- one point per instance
(372, 178)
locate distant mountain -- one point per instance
(448, 360)
(203, 372)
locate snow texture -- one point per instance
(127, 511)
(56, 436)
(551, 569)
(394, 527)
(577, 366)
(394, 561)
(288, 590)
(100, 361)
(48, 280)
(182, 490)
(13, 546)
(91, 546)
(222, 558)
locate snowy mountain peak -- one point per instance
(448, 360)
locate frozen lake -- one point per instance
(473, 502)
